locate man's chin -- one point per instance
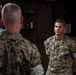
(58, 34)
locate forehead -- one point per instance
(59, 24)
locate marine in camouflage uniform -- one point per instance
(17, 55)
(60, 54)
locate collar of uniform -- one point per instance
(12, 35)
(61, 41)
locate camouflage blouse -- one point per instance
(17, 55)
(60, 54)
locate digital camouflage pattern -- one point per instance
(17, 55)
(60, 55)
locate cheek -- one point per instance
(62, 30)
(54, 29)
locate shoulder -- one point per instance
(50, 39)
(69, 39)
(29, 45)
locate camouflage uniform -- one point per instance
(60, 55)
(17, 55)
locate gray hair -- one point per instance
(10, 12)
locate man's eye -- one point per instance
(60, 27)
(55, 26)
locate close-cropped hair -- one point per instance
(10, 12)
(61, 21)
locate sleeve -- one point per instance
(73, 49)
(74, 56)
(46, 48)
(2, 58)
(37, 68)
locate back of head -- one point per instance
(10, 13)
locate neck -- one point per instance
(12, 28)
(58, 37)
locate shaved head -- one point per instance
(10, 13)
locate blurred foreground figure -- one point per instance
(18, 56)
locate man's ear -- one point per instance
(1, 22)
(21, 20)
